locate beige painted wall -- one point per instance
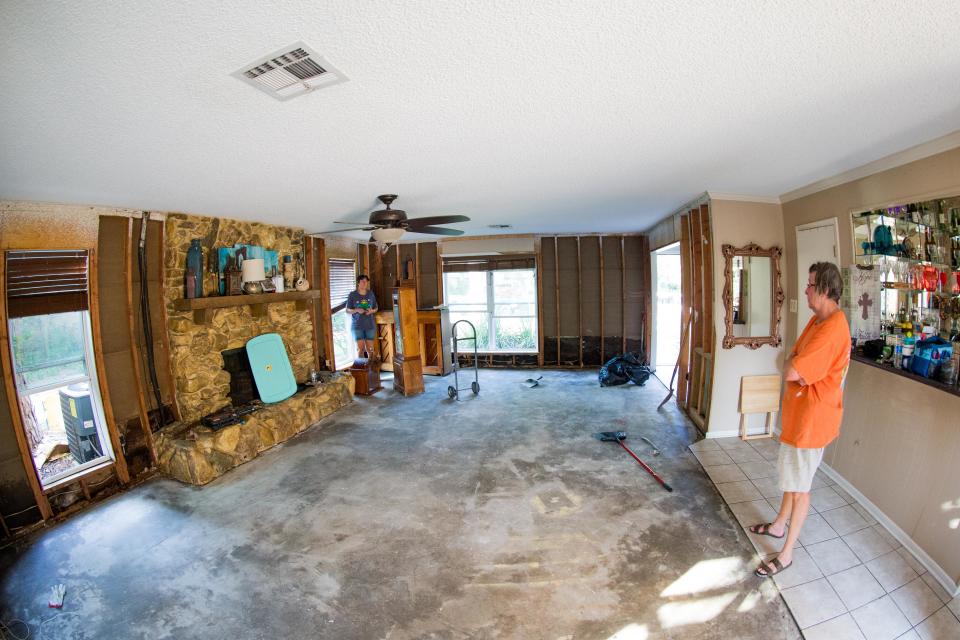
(899, 444)
(938, 175)
(738, 223)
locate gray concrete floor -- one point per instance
(497, 516)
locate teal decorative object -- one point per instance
(271, 368)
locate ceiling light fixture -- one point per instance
(385, 236)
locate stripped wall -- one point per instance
(594, 298)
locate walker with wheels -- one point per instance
(454, 390)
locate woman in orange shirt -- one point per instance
(812, 407)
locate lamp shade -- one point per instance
(388, 235)
(252, 269)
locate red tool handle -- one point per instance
(648, 469)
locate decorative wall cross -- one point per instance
(865, 302)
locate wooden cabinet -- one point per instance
(434, 330)
(434, 327)
(407, 365)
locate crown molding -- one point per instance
(892, 161)
(740, 197)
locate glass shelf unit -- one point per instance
(920, 240)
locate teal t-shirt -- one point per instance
(365, 301)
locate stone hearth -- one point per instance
(197, 455)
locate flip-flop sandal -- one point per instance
(771, 569)
(764, 530)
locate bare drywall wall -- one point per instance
(738, 223)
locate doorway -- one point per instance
(816, 242)
(667, 307)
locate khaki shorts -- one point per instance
(796, 467)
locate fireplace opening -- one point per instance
(243, 388)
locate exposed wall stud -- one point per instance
(556, 289)
(164, 336)
(579, 306)
(623, 295)
(539, 266)
(600, 242)
(128, 251)
(120, 463)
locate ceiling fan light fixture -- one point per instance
(387, 235)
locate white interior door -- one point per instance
(816, 242)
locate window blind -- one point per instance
(489, 263)
(45, 282)
(343, 280)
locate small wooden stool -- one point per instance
(366, 376)
(759, 394)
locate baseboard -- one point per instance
(935, 570)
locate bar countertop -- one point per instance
(952, 389)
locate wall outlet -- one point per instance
(793, 306)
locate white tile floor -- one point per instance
(850, 578)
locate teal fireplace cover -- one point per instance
(271, 367)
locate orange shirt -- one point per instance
(811, 414)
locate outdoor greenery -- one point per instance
(48, 348)
(500, 304)
(344, 347)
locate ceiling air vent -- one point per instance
(290, 72)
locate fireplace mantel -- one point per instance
(201, 307)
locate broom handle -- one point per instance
(642, 464)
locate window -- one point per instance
(500, 303)
(343, 278)
(53, 365)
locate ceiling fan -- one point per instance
(388, 225)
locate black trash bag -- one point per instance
(623, 369)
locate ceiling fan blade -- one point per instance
(341, 222)
(318, 233)
(437, 231)
(437, 220)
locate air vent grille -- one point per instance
(290, 72)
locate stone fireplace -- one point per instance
(202, 384)
(209, 364)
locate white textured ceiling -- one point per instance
(560, 116)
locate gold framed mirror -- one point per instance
(752, 296)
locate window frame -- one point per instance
(490, 310)
(340, 308)
(91, 378)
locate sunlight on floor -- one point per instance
(706, 575)
(749, 601)
(675, 614)
(631, 632)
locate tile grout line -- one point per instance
(825, 577)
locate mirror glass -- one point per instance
(752, 296)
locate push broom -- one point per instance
(619, 437)
(676, 367)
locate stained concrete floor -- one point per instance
(493, 517)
